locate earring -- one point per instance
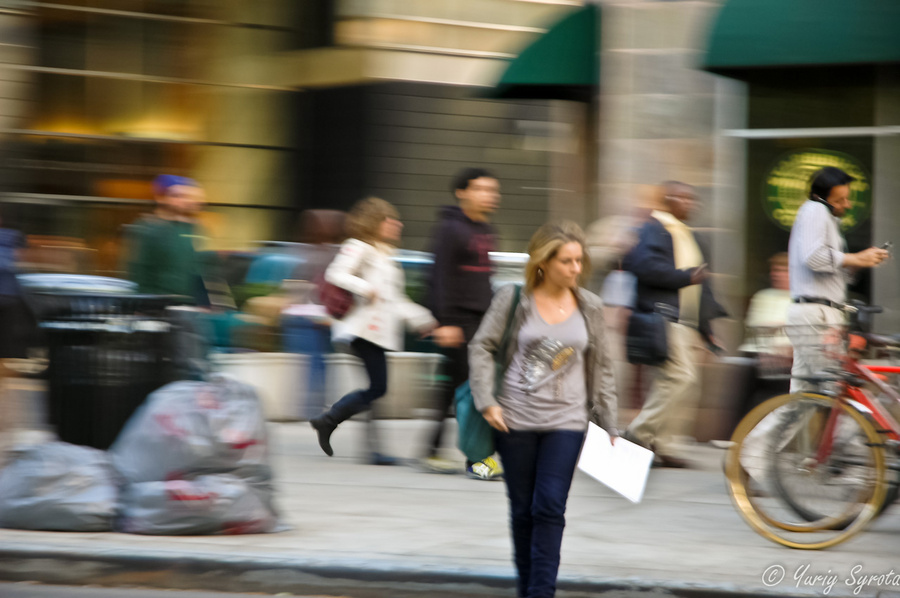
(540, 272)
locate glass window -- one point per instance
(96, 142)
(123, 44)
(810, 97)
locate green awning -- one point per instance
(562, 64)
(752, 34)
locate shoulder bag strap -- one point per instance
(504, 340)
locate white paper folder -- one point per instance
(622, 467)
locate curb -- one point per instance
(357, 579)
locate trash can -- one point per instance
(106, 353)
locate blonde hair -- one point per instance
(545, 244)
(366, 216)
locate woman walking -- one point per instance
(375, 323)
(558, 375)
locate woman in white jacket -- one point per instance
(380, 313)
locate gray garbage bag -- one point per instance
(58, 487)
(209, 504)
(188, 428)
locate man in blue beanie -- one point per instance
(162, 258)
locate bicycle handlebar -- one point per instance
(862, 307)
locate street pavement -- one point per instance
(363, 530)
(31, 590)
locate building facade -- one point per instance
(279, 106)
(274, 106)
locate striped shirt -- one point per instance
(816, 255)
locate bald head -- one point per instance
(679, 199)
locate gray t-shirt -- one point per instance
(544, 387)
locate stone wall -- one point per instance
(660, 117)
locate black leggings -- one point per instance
(375, 362)
(456, 371)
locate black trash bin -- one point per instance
(106, 353)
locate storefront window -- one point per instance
(126, 90)
(768, 230)
(812, 97)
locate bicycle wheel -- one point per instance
(850, 485)
(813, 496)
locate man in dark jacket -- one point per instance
(459, 291)
(671, 270)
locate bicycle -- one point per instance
(810, 470)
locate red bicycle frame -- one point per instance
(886, 422)
(863, 402)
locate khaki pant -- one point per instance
(673, 393)
(808, 328)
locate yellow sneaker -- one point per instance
(487, 469)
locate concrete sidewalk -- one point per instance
(362, 530)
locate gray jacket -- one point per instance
(601, 383)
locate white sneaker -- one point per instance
(487, 469)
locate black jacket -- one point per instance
(652, 261)
(459, 289)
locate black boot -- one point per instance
(327, 423)
(324, 425)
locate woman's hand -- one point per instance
(494, 416)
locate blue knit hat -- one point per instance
(162, 183)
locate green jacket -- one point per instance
(162, 259)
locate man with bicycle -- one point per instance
(820, 269)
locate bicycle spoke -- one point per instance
(817, 487)
(805, 471)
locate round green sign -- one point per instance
(787, 186)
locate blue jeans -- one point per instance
(538, 470)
